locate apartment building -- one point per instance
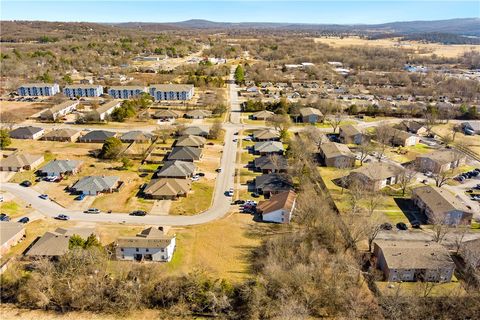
(126, 92)
(83, 90)
(38, 89)
(171, 91)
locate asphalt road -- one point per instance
(221, 203)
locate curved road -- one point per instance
(221, 203)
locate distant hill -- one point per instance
(467, 26)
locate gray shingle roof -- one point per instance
(136, 135)
(266, 163)
(273, 182)
(25, 131)
(176, 169)
(97, 135)
(61, 166)
(185, 153)
(92, 184)
(268, 146)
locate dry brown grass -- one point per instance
(449, 51)
(21, 110)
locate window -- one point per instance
(146, 250)
(121, 249)
(136, 249)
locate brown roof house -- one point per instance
(56, 243)
(439, 161)
(28, 132)
(136, 136)
(11, 233)
(414, 127)
(278, 208)
(198, 114)
(190, 141)
(273, 183)
(176, 169)
(351, 135)
(65, 135)
(21, 161)
(266, 135)
(406, 260)
(377, 175)
(337, 155)
(402, 138)
(271, 163)
(168, 114)
(167, 188)
(185, 154)
(96, 136)
(262, 115)
(195, 131)
(311, 115)
(152, 244)
(441, 206)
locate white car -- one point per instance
(195, 178)
(230, 192)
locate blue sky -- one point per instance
(342, 12)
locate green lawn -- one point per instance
(197, 200)
(12, 209)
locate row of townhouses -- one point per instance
(158, 91)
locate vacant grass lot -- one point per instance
(471, 142)
(14, 209)
(198, 199)
(419, 289)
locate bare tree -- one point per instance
(335, 120)
(372, 200)
(406, 178)
(275, 160)
(440, 227)
(431, 120)
(164, 133)
(365, 148)
(356, 192)
(442, 177)
(372, 228)
(459, 236)
(383, 137)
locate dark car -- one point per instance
(26, 183)
(138, 213)
(239, 201)
(200, 174)
(402, 226)
(143, 175)
(255, 195)
(62, 217)
(415, 224)
(24, 220)
(386, 226)
(4, 217)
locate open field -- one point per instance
(20, 110)
(471, 142)
(449, 51)
(198, 199)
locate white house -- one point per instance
(278, 208)
(152, 244)
(59, 110)
(83, 90)
(106, 109)
(171, 91)
(38, 89)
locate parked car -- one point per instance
(195, 178)
(143, 175)
(24, 220)
(92, 210)
(415, 224)
(229, 193)
(50, 178)
(200, 174)
(219, 170)
(80, 197)
(255, 195)
(25, 183)
(4, 217)
(239, 201)
(62, 217)
(402, 226)
(1, 198)
(43, 196)
(386, 226)
(138, 213)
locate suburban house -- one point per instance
(83, 90)
(190, 141)
(97, 136)
(266, 135)
(136, 136)
(268, 147)
(20, 161)
(470, 253)
(54, 244)
(310, 115)
(38, 89)
(278, 208)
(59, 110)
(337, 155)
(171, 91)
(272, 183)
(59, 168)
(167, 188)
(350, 135)
(176, 169)
(126, 92)
(402, 138)
(438, 203)
(377, 175)
(168, 114)
(414, 127)
(93, 185)
(408, 260)
(101, 113)
(185, 154)
(198, 114)
(270, 163)
(262, 115)
(195, 131)
(11, 233)
(65, 135)
(152, 244)
(28, 132)
(439, 161)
